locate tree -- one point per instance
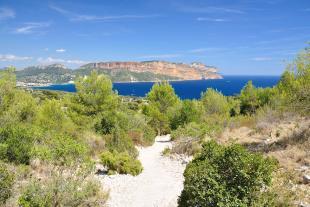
(161, 99)
(215, 102)
(249, 99)
(162, 95)
(294, 85)
(95, 93)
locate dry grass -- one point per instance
(285, 137)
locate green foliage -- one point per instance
(294, 86)
(162, 95)
(190, 111)
(139, 131)
(188, 138)
(192, 130)
(119, 141)
(225, 176)
(121, 163)
(215, 102)
(95, 93)
(161, 98)
(52, 116)
(249, 99)
(16, 144)
(6, 183)
(62, 189)
(15, 105)
(62, 150)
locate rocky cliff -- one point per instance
(181, 71)
(118, 72)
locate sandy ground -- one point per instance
(160, 183)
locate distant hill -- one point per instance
(119, 72)
(56, 73)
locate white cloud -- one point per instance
(261, 59)
(208, 9)
(109, 18)
(212, 19)
(6, 13)
(159, 56)
(51, 60)
(32, 27)
(59, 10)
(82, 17)
(10, 57)
(207, 49)
(61, 50)
(46, 49)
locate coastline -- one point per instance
(25, 84)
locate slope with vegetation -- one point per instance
(49, 142)
(248, 150)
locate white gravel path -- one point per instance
(160, 183)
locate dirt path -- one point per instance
(160, 183)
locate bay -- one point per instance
(191, 89)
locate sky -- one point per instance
(240, 37)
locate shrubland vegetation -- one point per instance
(50, 141)
(58, 137)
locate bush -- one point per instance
(139, 131)
(16, 144)
(192, 130)
(121, 163)
(62, 190)
(6, 183)
(119, 141)
(52, 117)
(62, 150)
(188, 139)
(215, 102)
(189, 111)
(225, 176)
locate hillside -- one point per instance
(119, 72)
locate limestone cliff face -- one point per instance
(194, 71)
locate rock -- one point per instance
(302, 204)
(306, 179)
(195, 71)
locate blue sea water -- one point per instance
(230, 85)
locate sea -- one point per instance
(191, 89)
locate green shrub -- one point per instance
(121, 163)
(52, 116)
(120, 141)
(225, 176)
(17, 143)
(139, 131)
(215, 102)
(62, 150)
(189, 111)
(188, 139)
(192, 130)
(6, 183)
(62, 190)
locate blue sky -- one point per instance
(237, 36)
